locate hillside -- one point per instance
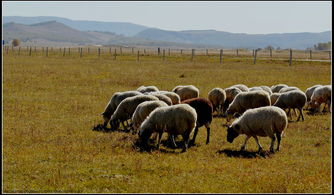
(58, 34)
(125, 28)
(238, 40)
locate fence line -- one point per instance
(270, 54)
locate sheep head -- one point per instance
(232, 133)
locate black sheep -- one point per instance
(204, 111)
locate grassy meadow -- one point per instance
(50, 105)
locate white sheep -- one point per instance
(186, 91)
(178, 119)
(286, 89)
(242, 87)
(276, 88)
(321, 95)
(217, 97)
(126, 109)
(173, 96)
(308, 93)
(264, 121)
(274, 97)
(143, 110)
(247, 100)
(162, 97)
(231, 92)
(291, 100)
(115, 100)
(144, 89)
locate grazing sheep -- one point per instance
(217, 97)
(274, 97)
(265, 122)
(143, 110)
(204, 111)
(286, 89)
(144, 89)
(308, 93)
(126, 109)
(162, 97)
(242, 87)
(114, 102)
(231, 92)
(267, 89)
(321, 95)
(178, 119)
(276, 88)
(173, 96)
(291, 100)
(186, 91)
(247, 100)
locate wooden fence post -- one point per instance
(110, 50)
(237, 52)
(47, 51)
(88, 50)
(271, 52)
(310, 54)
(144, 51)
(163, 55)
(206, 52)
(181, 51)
(99, 51)
(192, 54)
(115, 54)
(221, 56)
(290, 61)
(159, 51)
(255, 54)
(64, 51)
(138, 56)
(80, 52)
(330, 54)
(19, 50)
(30, 51)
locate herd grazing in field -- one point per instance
(257, 111)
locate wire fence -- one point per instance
(163, 53)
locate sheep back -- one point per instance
(278, 87)
(186, 91)
(291, 99)
(217, 97)
(203, 109)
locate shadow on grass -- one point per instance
(244, 154)
(100, 128)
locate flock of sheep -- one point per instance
(258, 111)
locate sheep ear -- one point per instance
(237, 126)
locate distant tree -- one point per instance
(269, 47)
(323, 46)
(15, 42)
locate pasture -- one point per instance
(50, 105)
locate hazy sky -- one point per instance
(242, 17)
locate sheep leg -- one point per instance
(272, 144)
(172, 141)
(289, 114)
(207, 134)
(159, 139)
(278, 136)
(258, 143)
(192, 142)
(301, 113)
(295, 111)
(245, 142)
(186, 141)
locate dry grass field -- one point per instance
(50, 105)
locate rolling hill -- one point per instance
(124, 28)
(237, 40)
